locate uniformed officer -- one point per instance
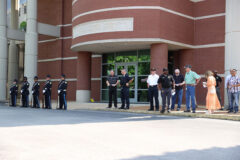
(166, 84)
(35, 93)
(25, 92)
(152, 83)
(47, 92)
(112, 82)
(125, 80)
(62, 91)
(13, 93)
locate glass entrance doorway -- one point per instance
(131, 69)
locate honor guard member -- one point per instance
(112, 82)
(25, 93)
(166, 83)
(35, 93)
(47, 92)
(13, 93)
(125, 80)
(62, 91)
(152, 83)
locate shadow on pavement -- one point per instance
(12, 117)
(231, 153)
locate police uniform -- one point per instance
(62, 91)
(35, 94)
(47, 94)
(25, 94)
(112, 80)
(166, 82)
(124, 79)
(13, 93)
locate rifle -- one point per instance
(31, 101)
(43, 101)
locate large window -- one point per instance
(138, 66)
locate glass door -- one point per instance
(131, 69)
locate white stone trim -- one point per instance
(143, 7)
(210, 16)
(57, 59)
(103, 26)
(195, 1)
(96, 79)
(74, 1)
(153, 40)
(55, 39)
(83, 96)
(96, 56)
(57, 80)
(64, 25)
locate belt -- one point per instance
(192, 85)
(152, 85)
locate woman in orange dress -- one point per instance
(212, 99)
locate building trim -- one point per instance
(96, 79)
(74, 1)
(57, 59)
(57, 80)
(64, 25)
(210, 16)
(55, 39)
(195, 1)
(96, 56)
(152, 40)
(143, 7)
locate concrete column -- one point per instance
(83, 77)
(3, 49)
(13, 49)
(232, 37)
(159, 57)
(31, 42)
(159, 60)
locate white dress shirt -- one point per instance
(227, 79)
(153, 80)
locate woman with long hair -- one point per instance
(212, 102)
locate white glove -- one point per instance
(32, 92)
(59, 91)
(10, 92)
(44, 91)
(21, 91)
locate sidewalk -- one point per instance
(142, 108)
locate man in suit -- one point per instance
(35, 93)
(25, 92)
(62, 92)
(13, 93)
(47, 92)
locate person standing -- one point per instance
(218, 85)
(35, 93)
(233, 87)
(25, 93)
(166, 84)
(125, 81)
(226, 87)
(152, 83)
(13, 93)
(191, 80)
(212, 102)
(62, 92)
(112, 82)
(47, 92)
(179, 83)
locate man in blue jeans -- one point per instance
(191, 80)
(233, 89)
(179, 82)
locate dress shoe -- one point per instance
(162, 111)
(121, 108)
(178, 109)
(109, 107)
(127, 108)
(193, 111)
(150, 110)
(187, 111)
(168, 111)
(230, 112)
(157, 110)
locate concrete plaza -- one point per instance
(27, 134)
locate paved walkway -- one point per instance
(38, 134)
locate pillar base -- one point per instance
(83, 96)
